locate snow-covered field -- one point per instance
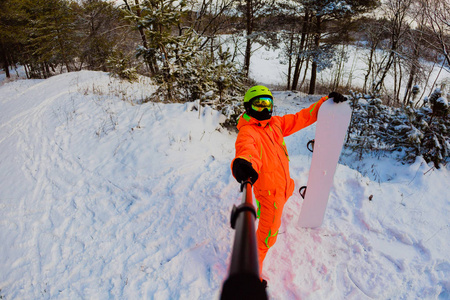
(103, 198)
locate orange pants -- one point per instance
(269, 211)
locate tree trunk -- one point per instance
(340, 69)
(396, 100)
(304, 74)
(43, 72)
(400, 79)
(26, 71)
(296, 76)
(5, 60)
(288, 87)
(150, 61)
(369, 67)
(47, 70)
(312, 83)
(248, 48)
(300, 60)
(413, 71)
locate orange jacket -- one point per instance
(262, 144)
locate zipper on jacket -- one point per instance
(284, 169)
(284, 149)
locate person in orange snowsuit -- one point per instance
(262, 157)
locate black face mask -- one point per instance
(258, 115)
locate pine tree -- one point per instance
(13, 20)
(187, 71)
(51, 36)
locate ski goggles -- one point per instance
(261, 103)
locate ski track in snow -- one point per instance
(104, 199)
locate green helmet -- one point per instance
(255, 91)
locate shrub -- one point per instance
(423, 131)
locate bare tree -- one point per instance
(374, 34)
(396, 12)
(438, 17)
(253, 12)
(303, 41)
(209, 18)
(416, 47)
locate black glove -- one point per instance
(243, 170)
(337, 97)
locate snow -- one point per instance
(443, 101)
(103, 197)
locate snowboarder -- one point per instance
(261, 155)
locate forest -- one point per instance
(202, 50)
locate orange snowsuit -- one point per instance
(262, 144)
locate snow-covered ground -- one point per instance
(101, 198)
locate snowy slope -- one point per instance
(102, 198)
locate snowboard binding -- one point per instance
(310, 143)
(302, 191)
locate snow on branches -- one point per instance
(413, 132)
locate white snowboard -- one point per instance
(332, 123)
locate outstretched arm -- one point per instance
(294, 122)
(307, 116)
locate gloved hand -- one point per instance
(243, 170)
(337, 97)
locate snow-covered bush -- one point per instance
(120, 66)
(439, 104)
(413, 132)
